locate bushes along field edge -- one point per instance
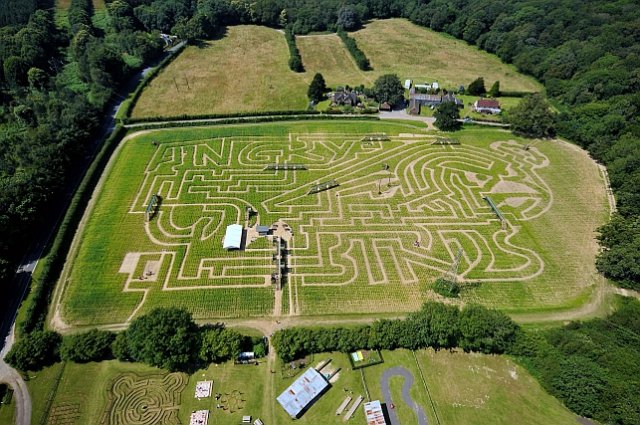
(295, 60)
(131, 101)
(37, 302)
(291, 113)
(170, 339)
(358, 55)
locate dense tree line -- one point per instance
(591, 366)
(357, 54)
(15, 12)
(474, 328)
(79, 15)
(54, 84)
(587, 54)
(166, 338)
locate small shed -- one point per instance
(262, 230)
(233, 237)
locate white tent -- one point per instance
(233, 237)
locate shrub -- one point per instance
(166, 338)
(34, 351)
(295, 60)
(220, 344)
(94, 345)
(357, 54)
(476, 88)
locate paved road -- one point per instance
(21, 399)
(20, 284)
(406, 397)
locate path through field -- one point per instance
(21, 399)
(406, 396)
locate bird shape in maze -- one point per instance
(401, 206)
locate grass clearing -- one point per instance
(400, 47)
(465, 388)
(342, 256)
(327, 55)
(483, 389)
(245, 71)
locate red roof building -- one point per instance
(487, 106)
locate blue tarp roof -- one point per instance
(302, 392)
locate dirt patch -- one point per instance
(512, 187)
(409, 135)
(282, 229)
(473, 178)
(515, 201)
(151, 269)
(129, 262)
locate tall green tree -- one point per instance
(317, 88)
(220, 344)
(34, 351)
(476, 88)
(388, 88)
(485, 330)
(494, 91)
(447, 115)
(532, 117)
(94, 345)
(166, 338)
(620, 257)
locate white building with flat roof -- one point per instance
(233, 237)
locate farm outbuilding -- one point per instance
(303, 392)
(233, 237)
(487, 106)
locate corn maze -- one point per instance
(393, 213)
(145, 400)
(391, 222)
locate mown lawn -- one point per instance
(463, 389)
(482, 389)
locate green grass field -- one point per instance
(7, 413)
(400, 47)
(246, 70)
(380, 235)
(464, 388)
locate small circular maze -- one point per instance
(145, 399)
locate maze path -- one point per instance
(402, 209)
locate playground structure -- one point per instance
(152, 207)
